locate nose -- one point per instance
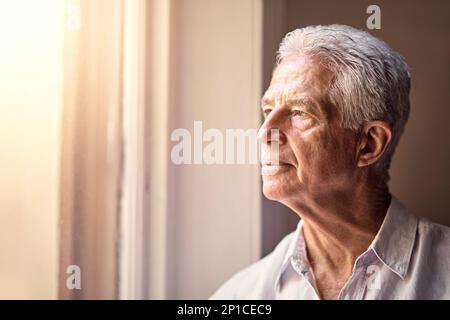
(270, 131)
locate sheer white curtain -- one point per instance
(91, 147)
(139, 226)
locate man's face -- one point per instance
(316, 155)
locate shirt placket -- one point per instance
(304, 271)
(301, 265)
(355, 286)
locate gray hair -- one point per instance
(371, 80)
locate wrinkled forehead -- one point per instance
(299, 75)
(292, 69)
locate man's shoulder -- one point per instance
(437, 234)
(434, 239)
(256, 280)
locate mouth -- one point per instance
(270, 168)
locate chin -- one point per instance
(274, 191)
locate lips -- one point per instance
(269, 167)
(269, 162)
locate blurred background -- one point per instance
(90, 92)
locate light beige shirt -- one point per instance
(408, 259)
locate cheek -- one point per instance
(303, 124)
(308, 147)
(321, 155)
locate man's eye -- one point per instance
(299, 113)
(266, 112)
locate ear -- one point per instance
(374, 139)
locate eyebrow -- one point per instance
(307, 102)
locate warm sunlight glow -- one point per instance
(31, 62)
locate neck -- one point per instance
(342, 226)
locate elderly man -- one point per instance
(339, 99)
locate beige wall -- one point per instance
(30, 106)
(420, 173)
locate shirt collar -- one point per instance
(295, 257)
(393, 243)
